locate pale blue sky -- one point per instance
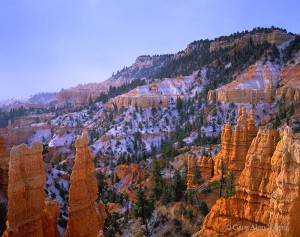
(46, 45)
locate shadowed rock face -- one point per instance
(83, 210)
(26, 196)
(268, 191)
(3, 168)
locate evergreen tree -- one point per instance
(143, 209)
(156, 180)
(197, 176)
(166, 196)
(178, 187)
(229, 185)
(203, 208)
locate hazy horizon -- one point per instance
(46, 46)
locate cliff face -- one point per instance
(206, 166)
(235, 144)
(256, 83)
(83, 209)
(276, 37)
(267, 196)
(290, 83)
(191, 172)
(285, 200)
(26, 195)
(3, 167)
(158, 93)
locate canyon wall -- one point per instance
(266, 202)
(235, 144)
(26, 196)
(276, 37)
(84, 220)
(256, 83)
(157, 94)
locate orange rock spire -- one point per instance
(267, 196)
(235, 144)
(26, 196)
(83, 209)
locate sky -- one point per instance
(46, 45)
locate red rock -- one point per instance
(26, 215)
(83, 209)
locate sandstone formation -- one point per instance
(235, 144)
(290, 82)
(3, 168)
(285, 200)
(156, 94)
(27, 214)
(83, 209)
(191, 172)
(50, 218)
(206, 166)
(256, 83)
(276, 37)
(267, 198)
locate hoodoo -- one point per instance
(83, 209)
(26, 196)
(267, 196)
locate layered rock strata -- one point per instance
(206, 166)
(285, 200)
(276, 37)
(235, 144)
(267, 199)
(256, 83)
(27, 214)
(83, 209)
(191, 172)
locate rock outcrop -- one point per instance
(191, 172)
(267, 199)
(156, 94)
(276, 37)
(290, 83)
(256, 83)
(206, 166)
(50, 218)
(27, 214)
(83, 209)
(3, 168)
(235, 144)
(285, 200)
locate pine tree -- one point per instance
(229, 185)
(166, 196)
(197, 176)
(178, 187)
(156, 180)
(203, 208)
(143, 209)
